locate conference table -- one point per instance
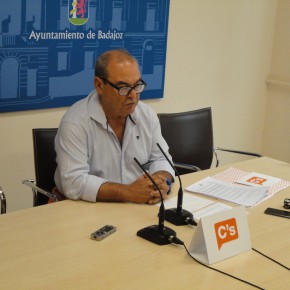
(49, 247)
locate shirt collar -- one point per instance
(95, 109)
(97, 113)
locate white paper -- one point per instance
(233, 175)
(239, 194)
(258, 179)
(209, 210)
(190, 202)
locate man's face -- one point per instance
(120, 73)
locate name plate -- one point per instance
(220, 236)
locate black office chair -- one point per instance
(190, 139)
(2, 202)
(44, 165)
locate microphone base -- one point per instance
(179, 219)
(153, 235)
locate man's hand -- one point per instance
(140, 191)
(147, 192)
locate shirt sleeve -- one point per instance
(72, 175)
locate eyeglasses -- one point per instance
(126, 90)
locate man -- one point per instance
(100, 135)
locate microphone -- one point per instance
(158, 234)
(177, 216)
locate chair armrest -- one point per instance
(239, 152)
(35, 189)
(193, 168)
(234, 151)
(2, 202)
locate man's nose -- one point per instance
(132, 94)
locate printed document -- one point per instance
(258, 179)
(239, 194)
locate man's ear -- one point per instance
(98, 85)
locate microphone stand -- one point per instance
(157, 234)
(177, 216)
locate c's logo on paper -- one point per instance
(78, 11)
(226, 231)
(257, 180)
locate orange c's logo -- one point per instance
(257, 180)
(226, 231)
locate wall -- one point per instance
(277, 124)
(219, 54)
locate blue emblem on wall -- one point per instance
(48, 47)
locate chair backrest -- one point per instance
(44, 160)
(189, 136)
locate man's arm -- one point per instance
(72, 175)
(140, 191)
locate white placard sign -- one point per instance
(221, 235)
